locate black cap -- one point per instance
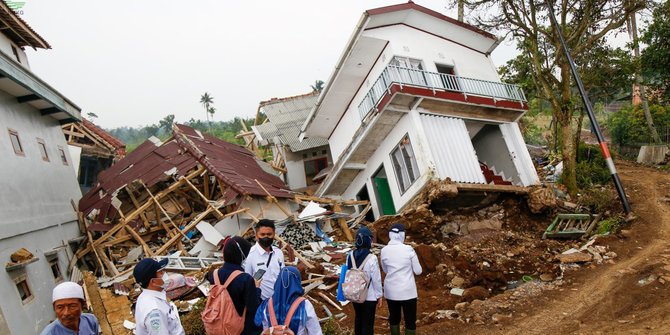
(146, 269)
(398, 227)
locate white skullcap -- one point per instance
(68, 290)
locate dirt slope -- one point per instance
(607, 299)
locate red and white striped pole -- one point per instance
(589, 110)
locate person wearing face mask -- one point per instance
(154, 314)
(265, 257)
(243, 290)
(400, 263)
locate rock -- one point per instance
(510, 254)
(541, 199)
(476, 304)
(611, 254)
(450, 228)
(429, 257)
(457, 282)
(575, 257)
(461, 306)
(497, 318)
(441, 267)
(476, 293)
(546, 277)
(21, 256)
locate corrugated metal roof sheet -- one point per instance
(285, 117)
(235, 166)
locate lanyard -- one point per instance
(267, 265)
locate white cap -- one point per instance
(68, 290)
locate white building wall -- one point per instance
(35, 210)
(6, 47)
(406, 125)
(408, 42)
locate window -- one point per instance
(43, 149)
(63, 158)
(313, 167)
(23, 289)
(55, 270)
(410, 70)
(404, 164)
(16, 142)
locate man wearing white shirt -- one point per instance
(401, 264)
(264, 256)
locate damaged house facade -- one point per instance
(38, 185)
(92, 149)
(415, 97)
(148, 203)
(300, 162)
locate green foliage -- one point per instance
(597, 199)
(655, 58)
(225, 130)
(192, 321)
(628, 126)
(591, 167)
(532, 134)
(610, 224)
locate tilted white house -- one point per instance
(415, 96)
(37, 183)
(303, 160)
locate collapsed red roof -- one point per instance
(151, 163)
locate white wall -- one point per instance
(406, 125)
(35, 210)
(6, 47)
(408, 42)
(295, 166)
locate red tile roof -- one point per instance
(235, 166)
(116, 144)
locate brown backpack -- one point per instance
(276, 329)
(219, 316)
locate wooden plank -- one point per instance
(136, 203)
(343, 224)
(158, 204)
(139, 239)
(273, 199)
(492, 188)
(218, 213)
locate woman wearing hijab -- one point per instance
(243, 289)
(364, 323)
(287, 289)
(400, 263)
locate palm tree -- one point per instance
(318, 86)
(206, 100)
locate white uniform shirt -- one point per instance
(260, 259)
(155, 315)
(400, 263)
(371, 269)
(311, 327)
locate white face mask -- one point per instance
(166, 280)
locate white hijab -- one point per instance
(397, 236)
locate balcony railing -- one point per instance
(436, 81)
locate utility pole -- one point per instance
(589, 109)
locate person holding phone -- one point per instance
(264, 256)
(243, 290)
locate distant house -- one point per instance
(414, 97)
(299, 161)
(94, 149)
(37, 183)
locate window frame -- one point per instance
(55, 262)
(413, 167)
(41, 144)
(63, 156)
(23, 279)
(13, 133)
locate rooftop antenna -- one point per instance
(589, 109)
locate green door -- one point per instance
(385, 198)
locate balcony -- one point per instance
(437, 82)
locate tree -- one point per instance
(584, 24)
(166, 123)
(655, 58)
(206, 100)
(318, 86)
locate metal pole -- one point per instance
(589, 109)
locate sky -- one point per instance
(134, 62)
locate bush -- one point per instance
(610, 224)
(628, 126)
(192, 321)
(598, 199)
(591, 167)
